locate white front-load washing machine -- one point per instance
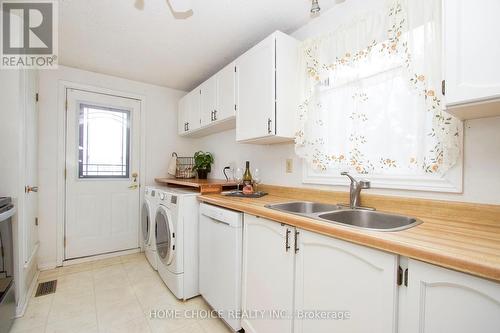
(176, 234)
(148, 211)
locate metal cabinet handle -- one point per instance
(287, 240)
(296, 242)
(269, 121)
(215, 115)
(187, 126)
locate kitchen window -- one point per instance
(372, 102)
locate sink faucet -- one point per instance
(355, 190)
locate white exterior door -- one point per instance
(339, 277)
(268, 275)
(256, 92)
(102, 165)
(441, 300)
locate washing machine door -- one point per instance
(145, 216)
(164, 232)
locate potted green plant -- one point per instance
(203, 163)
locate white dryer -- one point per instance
(148, 211)
(176, 233)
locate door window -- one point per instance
(104, 142)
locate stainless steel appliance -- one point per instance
(7, 294)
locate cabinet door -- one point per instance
(208, 101)
(193, 113)
(333, 275)
(441, 300)
(181, 118)
(472, 50)
(226, 92)
(268, 274)
(256, 92)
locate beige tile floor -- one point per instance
(111, 295)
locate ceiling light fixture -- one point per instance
(315, 8)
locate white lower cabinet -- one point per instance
(268, 275)
(441, 300)
(353, 285)
(301, 276)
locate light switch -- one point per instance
(289, 165)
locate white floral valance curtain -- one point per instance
(371, 95)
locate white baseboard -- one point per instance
(23, 303)
(47, 266)
(100, 256)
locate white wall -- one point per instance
(12, 175)
(161, 139)
(481, 150)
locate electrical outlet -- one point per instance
(289, 165)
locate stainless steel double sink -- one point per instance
(357, 218)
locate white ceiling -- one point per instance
(117, 37)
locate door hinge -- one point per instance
(400, 276)
(65, 173)
(66, 105)
(36, 221)
(406, 278)
(235, 69)
(64, 241)
(36, 97)
(443, 87)
(235, 107)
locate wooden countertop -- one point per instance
(205, 185)
(461, 236)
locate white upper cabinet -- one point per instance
(335, 275)
(182, 115)
(257, 93)
(471, 55)
(193, 114)
(441, 300)
(208, 105)
(267, 91)
(211, 107)
(226, 93)
(189, 113)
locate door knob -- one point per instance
(29, 189)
